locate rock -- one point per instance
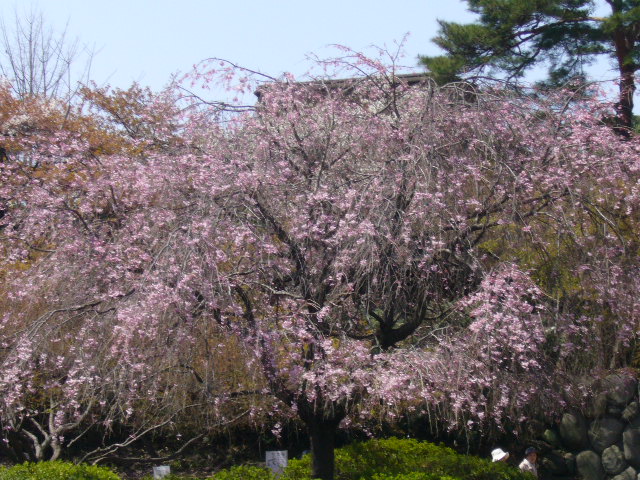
(631, 443)
(589, 465)
(554, 463)
(620, 388)
(631, 412)
(570, 462)
(573, 431)
(552, 438)
(613, 460)
(629, 474)
(604, 432)
(614, 411)
(597, 407)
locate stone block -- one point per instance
(570, 462)
(620, 388)
(554, 463)
(629, 474)
(573, 431)
(604, 432)
(597, 406)
(631, 444)
(613, 460)
(630, 413)
(589, 465)
(552, 438)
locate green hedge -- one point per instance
(245, 472)
(405, 459)
(386, 459)
(56, 471)
(414, 476)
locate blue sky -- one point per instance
(148, 40)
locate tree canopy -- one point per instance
(359, 248)
(512, 36)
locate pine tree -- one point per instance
(511, 36)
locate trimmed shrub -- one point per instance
(244, 472)
(56, 471)
(171, 476)
(414, 476)
(405, 459)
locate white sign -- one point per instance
(276, 460)
(161, 471)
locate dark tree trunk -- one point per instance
(625, 103)
(322, 433)
(322, 423)
(624, 40)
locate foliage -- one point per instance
(344, 245)
(414, 476)
(244, 472)
(515, 35)
(172, 476)
(405, 459)
(56, 470)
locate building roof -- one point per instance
(411, 79)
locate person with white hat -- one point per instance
(499, 455)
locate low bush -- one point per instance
(56, 471)
(171, 476)
(244, 472)
(414, 476)
(384, 459)
(405, 459)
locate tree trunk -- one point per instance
(624, 39)
(627, 89)
(322, 433)
(322, 420)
